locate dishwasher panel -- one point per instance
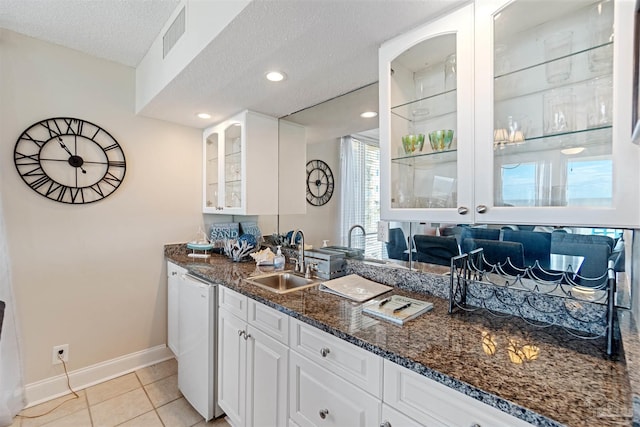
(197, 345)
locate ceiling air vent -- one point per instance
(173, 34)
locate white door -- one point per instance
(196, 342)
(232, 356)
(267, 375)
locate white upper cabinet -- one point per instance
(426, 121)
(240, 170)
(549, 129)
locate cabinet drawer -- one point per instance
(175, 270)
(234, 302)
(320, 398)
(434, 404)
(269, 321)
(348, 361)
(393, 418)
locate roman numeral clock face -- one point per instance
(319, 183)
(69, 160)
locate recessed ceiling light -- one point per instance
(368, 114)
(204, 115)
(571, 151)
(275, 76)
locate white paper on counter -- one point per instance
(354, 287)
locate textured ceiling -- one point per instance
(326, 47)
(118, 30)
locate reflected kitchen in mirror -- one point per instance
(335, 133)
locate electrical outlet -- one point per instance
(383, 231)
(62, 351)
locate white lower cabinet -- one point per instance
(394, 418)
(252, 366)
(434, 404)
(319, 398)
(274, 370)
(175, 276)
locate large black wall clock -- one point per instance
(319, 182)
(69, 160)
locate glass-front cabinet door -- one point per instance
(233, 166)
(240, 169)
(426, 121)
(553, 113)
(223, 173)
(211, 162)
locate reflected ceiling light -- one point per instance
(368, 114)
(572, 151)
(275, 76)
(204, 115)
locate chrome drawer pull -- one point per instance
(324, 352)
(324, 413)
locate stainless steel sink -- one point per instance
(282, 282)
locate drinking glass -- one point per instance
(559, 111)
(599, 110)
(556, 48)
(601, 34)
(450, 82)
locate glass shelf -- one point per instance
(427, 159)
(427, 108)
(532, 79)
(584, 138)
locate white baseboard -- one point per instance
(50, 388)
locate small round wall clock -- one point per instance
(319, 182)
(69, 160)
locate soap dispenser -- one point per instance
(278, 261)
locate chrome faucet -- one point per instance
(364, 233)
(300, 267)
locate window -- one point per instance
(360, 171)
(589, 182)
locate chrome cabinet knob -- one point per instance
(247, 336)
(241, 333)
(174, 273)
(385, 424)
(324, 352)
(481, 209)
(476, 425)
(463, 210)
(323, 413)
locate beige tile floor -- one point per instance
(148, 397)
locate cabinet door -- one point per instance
(232, 357)
(267, 381)
(175, 276)
(553, 113)
(426, 121)
(319, 398)
(212, 191)
(239, 154)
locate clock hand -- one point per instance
(62, 144)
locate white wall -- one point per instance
(320, 222)
(92, 276)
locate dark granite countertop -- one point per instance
(541, 375)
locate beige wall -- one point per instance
(320, 222)
(91, 276)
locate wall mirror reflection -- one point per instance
(336, 134)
